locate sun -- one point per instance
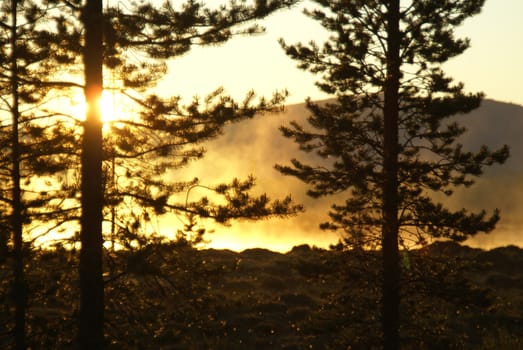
(108, 106)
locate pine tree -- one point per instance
(140, 150)
(91, 335)
(19, 285)
(30, 148)
(162, 134)
(391, 140)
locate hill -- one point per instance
(254, 146)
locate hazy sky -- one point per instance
(493, 64)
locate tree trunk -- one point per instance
(91, 335)
(19, 283)
(390, 225)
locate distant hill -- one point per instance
(254, 146)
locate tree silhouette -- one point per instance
(157, 140)
(390, 140)
(140, 150)
(30, 148)
(91, 316)
(19, 285)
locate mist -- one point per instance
(253, 147)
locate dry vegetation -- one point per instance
(174, 297)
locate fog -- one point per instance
(254, 146)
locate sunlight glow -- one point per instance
(109, 106)
(258, 62)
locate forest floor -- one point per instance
(167, 296)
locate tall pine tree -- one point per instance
(30, 148)
(391, 140)
(141, 148)
(91, 333)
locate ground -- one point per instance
(170, 296)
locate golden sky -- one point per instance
(493, 64)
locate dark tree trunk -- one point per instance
(4, 248)
(91, 334)
(19, 284)
(390, 226)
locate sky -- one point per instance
(493, 65)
